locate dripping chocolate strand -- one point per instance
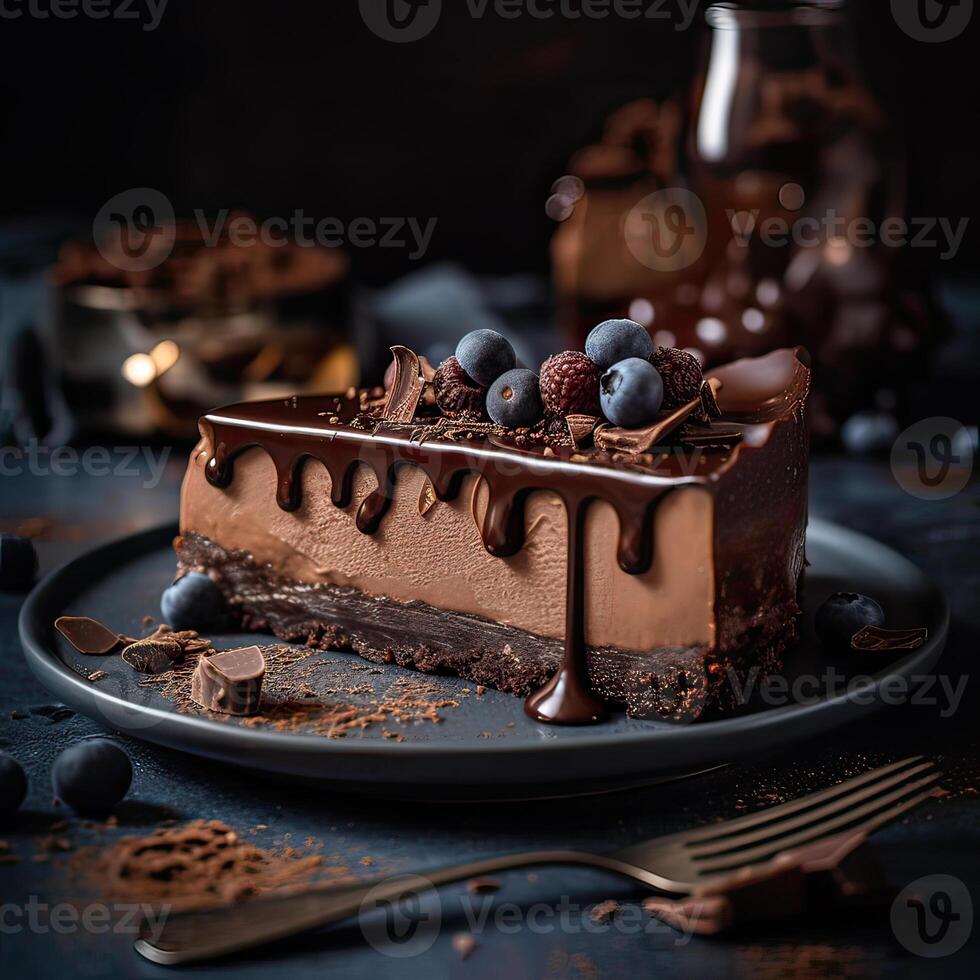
(567, 699)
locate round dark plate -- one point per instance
(487, 747)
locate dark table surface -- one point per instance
(68, 514)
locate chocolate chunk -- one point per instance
(229, 682)
(877, 639)
(87, 635)
(615, 439)
(154, 655)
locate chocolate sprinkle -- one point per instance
(877, 639)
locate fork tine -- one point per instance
(815, 815)
(704, 835)
(851, 820)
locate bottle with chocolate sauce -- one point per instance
(788, 178)
(790, 155)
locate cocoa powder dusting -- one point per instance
(197, 865)
(295, 698)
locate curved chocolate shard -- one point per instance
(406, 390)
(642, 440)
(230, 682)
(88, 635)
(877, 639)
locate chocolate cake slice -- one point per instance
(625, 567)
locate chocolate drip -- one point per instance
(567, 699)
(284, 431)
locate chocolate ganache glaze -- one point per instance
(347, 432)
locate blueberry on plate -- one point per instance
(631, 393)
(842, 615)
(514, 399)
(194, 602)
(13, 784)
(92, 776)
(18, 562)
(616, 340)
(485, 355)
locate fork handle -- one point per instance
(210, 933)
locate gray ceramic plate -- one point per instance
(485, 748)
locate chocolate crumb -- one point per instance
(464, 944)
(482, 886)
(604, 911)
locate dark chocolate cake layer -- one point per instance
(680, 683)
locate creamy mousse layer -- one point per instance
(438, 556)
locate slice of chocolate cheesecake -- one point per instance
(632, 567)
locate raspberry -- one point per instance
(570, 384)
(681, 374)
(457, 394)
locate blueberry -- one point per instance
(194, 602)
(514, 399)
(18, 562)
(13, 784)
(616, 340)
(485, 355)
(92, 776)
(631, 393)
(842, 615)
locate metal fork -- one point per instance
(677, 864)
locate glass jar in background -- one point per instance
(788, 178)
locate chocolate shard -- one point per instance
(88, 635)
(720, 435)
(709, 400)
(877, 639)
(636, 441)
(230, 682)
(580, 429)
(406, 390)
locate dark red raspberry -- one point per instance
(681, 373)
(457, 394)
(570, 384)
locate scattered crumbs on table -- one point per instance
(604, 911)
(464, 944)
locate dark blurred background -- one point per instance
(273, 106)
(270, 108)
